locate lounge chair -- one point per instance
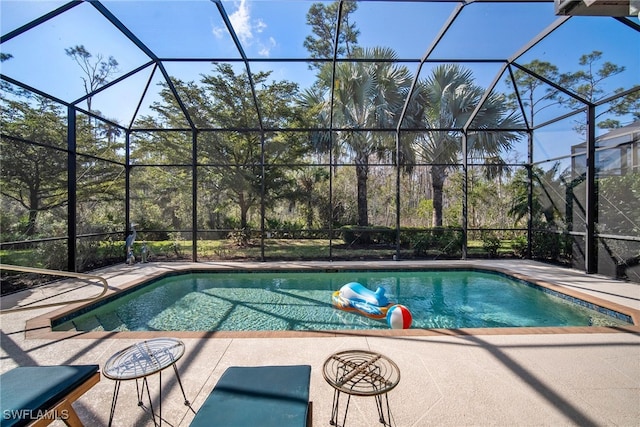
(42, 394)
(262, 396)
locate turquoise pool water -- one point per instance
(302, 301)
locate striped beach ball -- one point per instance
(399, 317)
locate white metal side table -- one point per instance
(138, 362)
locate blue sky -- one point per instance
(276, 30)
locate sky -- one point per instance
(275, 30)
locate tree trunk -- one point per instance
(362, 172)
(309, 213)
(438, 175)
(34, 203)
(31, 225)
(244, 209)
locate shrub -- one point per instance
(241, 237)
(519, 246)
(52, 255)
(545, 245)
(444, 240)
(490, 243)
(352, 234)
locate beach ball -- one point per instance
(399, 317)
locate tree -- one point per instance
(96, 72)
(528, 87)
(587, 83)
(322, 19)
(233, 159)
(307, 193)
(367, 95)
(34, 176)
(450, 98)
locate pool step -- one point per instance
(110, 321)
(90, 323)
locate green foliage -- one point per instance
(33, 176)
(365, 95)
(233, 181)
(241, 237)
(356, 235)
(587, 82)
(548, 203)
(490, 243)
(529, 87)
(549, 243)
(619, 204)
(519, 246)
(278, 229)
(322, 20)
(546, 245)
(96, 71)
(95, 252)
(438, 240)
(52, 255)
(448, 91)
(177, 246)
(425, 210)
(224, 99)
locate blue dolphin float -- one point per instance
(356, 297)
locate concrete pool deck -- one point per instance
(540, 376)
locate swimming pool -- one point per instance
(266, 301)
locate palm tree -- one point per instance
(451, 97)
(368, 94)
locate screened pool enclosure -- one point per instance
(282, 130)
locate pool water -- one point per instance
(302, 301)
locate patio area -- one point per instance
(543, 376)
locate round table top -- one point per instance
(143, 359)
(361, 373)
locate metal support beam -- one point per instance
(465, 198)
(263, 172)
(398, 189)
(529, 253)
(336, 40)
(591, 243)
(194, 196)
(72, 230)
(127, 184)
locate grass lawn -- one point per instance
(109, 253)
(273, 249)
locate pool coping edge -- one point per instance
(40, 327)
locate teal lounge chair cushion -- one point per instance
(265, 396)
(28, 391)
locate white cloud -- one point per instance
(241, 22)
(246, 28)
(218, 32)
(260, 25)
(265, 48)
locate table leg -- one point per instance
(140, 394)
(114, 399)
(335, 409)
(159, 400)
(385, 419)
(186, 401)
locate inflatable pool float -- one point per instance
(355, 297)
